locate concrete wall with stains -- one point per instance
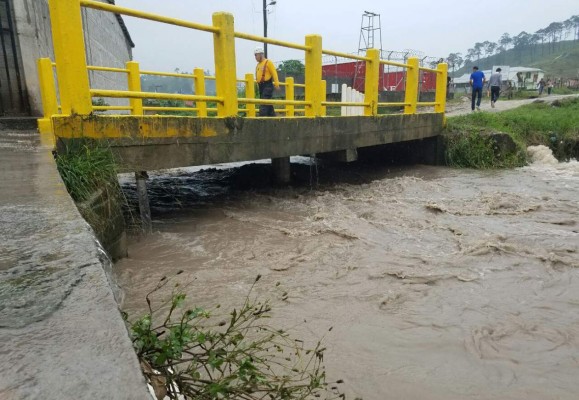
(106, 40)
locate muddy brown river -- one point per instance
(439, 283)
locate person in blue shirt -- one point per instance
(477, 81)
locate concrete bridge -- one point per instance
(60, 328)
(224, 127)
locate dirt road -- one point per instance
(462, 108)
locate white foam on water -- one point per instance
(542, 159)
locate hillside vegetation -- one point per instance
(554, 49)
(561, 62)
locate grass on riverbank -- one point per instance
(87, 171)
(90, 176)
(470, 142)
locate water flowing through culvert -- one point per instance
(439, 283)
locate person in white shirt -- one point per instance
(495, 86)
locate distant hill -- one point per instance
(558, 60)
(170, 84)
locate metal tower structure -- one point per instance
(370, 32)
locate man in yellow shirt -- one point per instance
(266, 78)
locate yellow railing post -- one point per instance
(199, 83)
(441, 85)
(289, 95)
(225, 75)
(134, 80)
(412, 78)
(324, 88)
(47, 94)
(250, 94)
(371, 84)
(314, 76)
(69, 54)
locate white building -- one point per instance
(520, 77)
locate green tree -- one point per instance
(574, 22)
(478, 49)
(470, 56)
(489, 48)
(505, 40)
(292, 67)
(455, 61)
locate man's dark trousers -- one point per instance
(266, 92)
(495, 92)
(476, 94)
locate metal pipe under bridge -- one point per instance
(222, 127)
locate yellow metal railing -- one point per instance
(76, 94)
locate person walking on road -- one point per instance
(266, 78)
(541, 85)
(477, 81)
(549, 86)
(495, 86)
(510, 90)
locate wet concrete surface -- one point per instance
(61, 333)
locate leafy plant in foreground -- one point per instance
(190, 352)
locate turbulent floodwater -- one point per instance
(439, 283)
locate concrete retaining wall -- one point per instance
(61, 332)
(104, 214)
(106, 45)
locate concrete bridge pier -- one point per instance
(144, 208)
(281, 170)
(346, 156)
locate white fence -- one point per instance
(351, 95)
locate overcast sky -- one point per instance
(435, 28)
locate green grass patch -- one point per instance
(90, 176)
(482, 151)
(470, 142)
(564, 90)
(87, 171)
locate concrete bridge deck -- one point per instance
(144, 143)
(61, 333)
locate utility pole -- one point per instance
(265, 26)
(265, 4)
(368, 30)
